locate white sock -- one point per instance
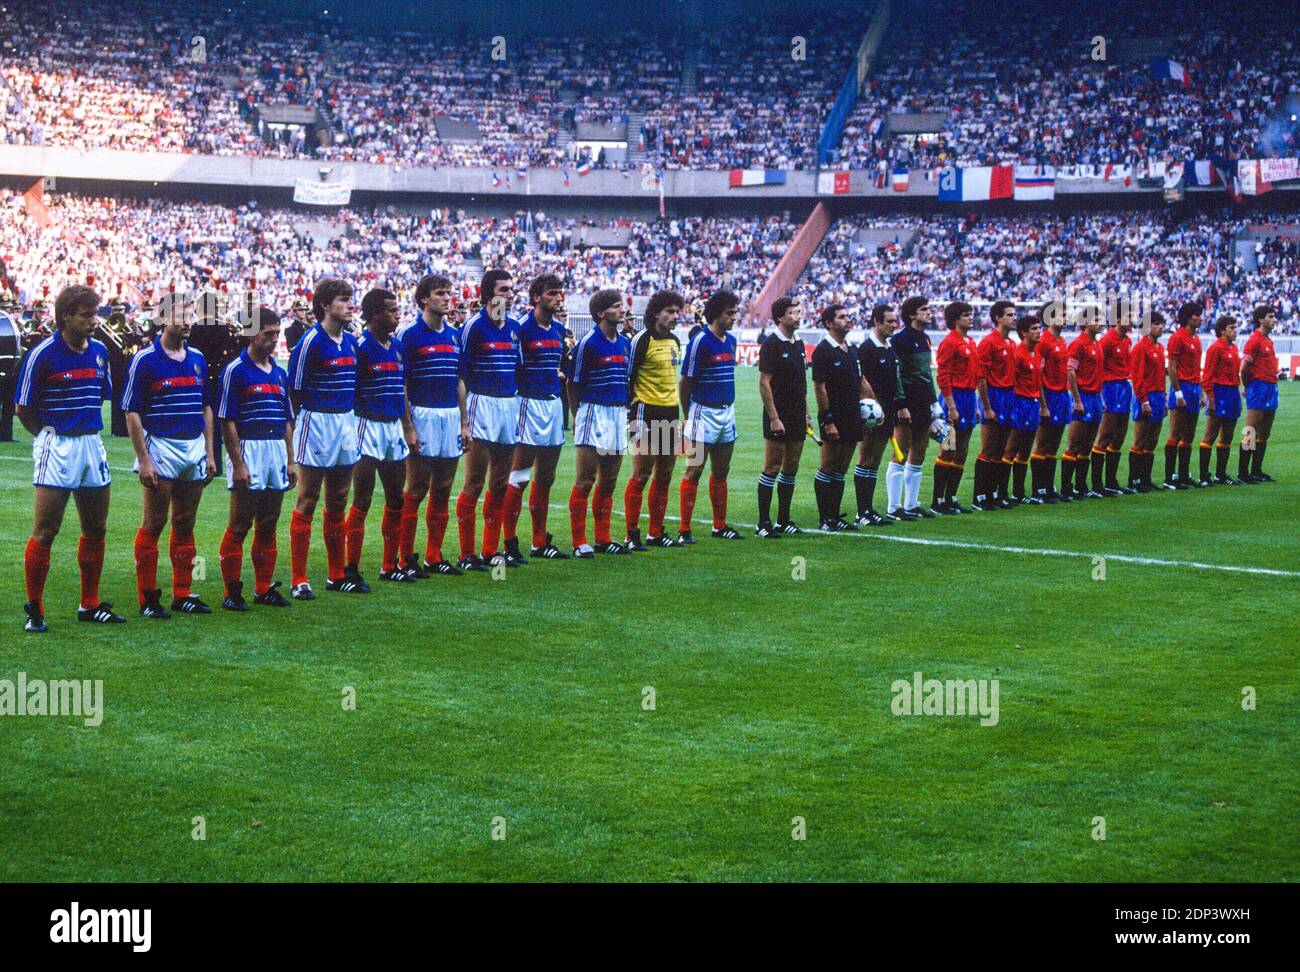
(911, 486)
(893, 485)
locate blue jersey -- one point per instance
(600, 368)
(256, 401)
(489, 355)
(381, 380)
(168, 395)
(65, 387)
(541, 350)
(324, 371)
(711, 361)
(432, 361)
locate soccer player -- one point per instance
(1027, 407)
(879, 366)
(488, 362)
(1183, 361)
(708, 386)
(1219, 380)
(1056, 400)
(322, 386)
(996, 364)
(1259, 376)
(957, 378)
(783, 387)
(1084, 371)
(912, 346)
(839, 387)
(431, 353)
(1147, 364)
(1116, 403)
(540, 429)
(385, 438)
(256, 418)
(60, 385)
(653, 417)
(169, 420)
(598, 393)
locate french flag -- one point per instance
(496, 181)
(566, 178)
(976, 183)
(1163, 68)
(900, 178)
(585, 168)
(1035, 182)
(755, 177)
(1200, 172)
(522, 172)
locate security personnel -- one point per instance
(298, 324)
(113, 334)
(215, 335)
(10, 354)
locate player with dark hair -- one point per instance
(1056, 400)
(653, 417)
(840, 388)
(1084, 371)
(1116, 403)
(958, 378)
(1027, 407)
(1147, 365)
(1183, 362)
(879, 366)
(1219, 379)
(1259, 377)
(783, 387)
(996, 369)
(912, 346)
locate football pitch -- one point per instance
(688, 715)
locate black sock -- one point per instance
(1067, 472)
(1134, 467)
(1098, 463)
(1184, 462)
(821, 486)
(1049, 473)
(784, 494)
(1082, 466)
(1221, 461)
(766, 484)
(981, 479)
(1112, 469)
(864, 487)
(1243, 462)
(836, 494)
(1018, 470)
(1036, 469)
(1257, 462)
(940, 478)
(1205, 461)
(1171, 462)
(954, 480)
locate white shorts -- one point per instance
(438, 430)
(492, 418)
(267, 461)
(603, 427)
(183, 460)
(711, 426)
(69, 461)
(382, 440)
(541, 422)
(325, 439)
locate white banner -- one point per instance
(1279, 170)
(313, 193)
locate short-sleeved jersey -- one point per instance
(1055, 354)
(600, 368)
(655, 361)
(1115, 351)
(996, 359)
(1085, 356)
(837, 367)
(1263, 359)
(541, 350)
(1222, 365)
(167, 394)
(490, 355)
(787, 363)
(256, 400)
(432, 360)
(956, 358)
(913, 349)
(1029, 372)
(1184, 350)
(381, 380)
(1147, 366)
(711, 361)
(324, 371)
(879, 365)
(64, 386)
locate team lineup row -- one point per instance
(403, 404)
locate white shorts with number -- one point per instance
(69, 461)
(325, 439)
(382, 440)
(492, 418)
(712, 426)
(541, 422)
(183, 460)
(267, 461)
(438, 430)
(603, 427)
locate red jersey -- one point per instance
(1029, 372)
(1184, 350)
(1147, 363)
(995, 360)
(956, 359)
(1085, 355)
(1115, 351)
(1263, 359)
(1222, 365)
(1055, 354)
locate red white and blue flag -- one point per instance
(1035, 182)
(1163, 68)
(738, 178)
(496, 181)
(976, 183)
(899, 178)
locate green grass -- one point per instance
(522, 698)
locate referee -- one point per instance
(839, 385)
(879, 367)
(912, 345)
(783, 386)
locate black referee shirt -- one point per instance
(837, 368)
(786, 361)
(880, 366)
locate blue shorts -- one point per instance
(1116, 397)
(968, 407)
(1060, 407)
(1000, 400)
(1261, 396)
(1227, 402)
(1091, 407)
(1159, 406)
(1025, 413)
(1191, 398)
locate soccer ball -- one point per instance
(940, 430)
(938, 411)
(872, 414)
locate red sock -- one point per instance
(264, 553)
(299, 543)
(36, 565)
(410, 520)
(602, 505)
(335, 529)
(435, 519)
(181, 549)
(390, 528)
(578, 515)
(658, 507)
(632, 503)
(492, 506)
(355, 535)
(718, 498)
(539, 499)
(232, 558)
(465, 523)
(90, 558)
(146, 562)
(512, 506)
(688, 490)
